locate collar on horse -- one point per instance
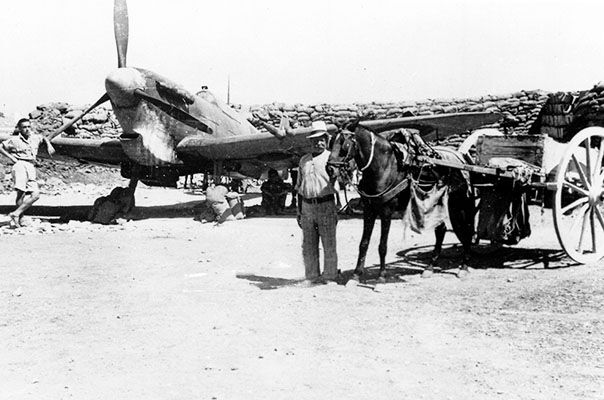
(391, 191)
(370, 159)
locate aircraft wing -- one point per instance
(104, 151)
(259, 146)
(433, 127)
(101, 151)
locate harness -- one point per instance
(347, 163)
(387, 194)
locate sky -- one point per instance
(311, 51)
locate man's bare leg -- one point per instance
(27, 200)
(19, 199)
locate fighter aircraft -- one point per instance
(169, 132)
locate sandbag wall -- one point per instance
(523, 105)
(99, 123)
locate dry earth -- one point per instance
(163, 307)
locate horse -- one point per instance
(387, 182)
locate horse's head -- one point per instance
(341, 161)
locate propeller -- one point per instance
(173, 111)
(120, 29)
(66, 125)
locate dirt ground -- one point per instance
(164, 307)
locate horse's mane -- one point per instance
(352, 125)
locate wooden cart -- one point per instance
(570, 174)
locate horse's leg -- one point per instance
(439, 233)
(461, 213)
(369, 216)
(385, 222)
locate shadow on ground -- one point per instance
(413, 261)
(268, 282)
(489, 256)
(80, 213)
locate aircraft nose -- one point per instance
(120, 85)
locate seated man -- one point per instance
(274, 192)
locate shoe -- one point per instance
(14, 221)
(310, 282)
(320, 280)
(337, 278)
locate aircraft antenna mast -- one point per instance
(228, 89)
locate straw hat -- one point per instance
(318, 129)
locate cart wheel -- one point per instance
(578, 200)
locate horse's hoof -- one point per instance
(381, 279)
(427, 273)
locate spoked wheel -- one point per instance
(579, 197)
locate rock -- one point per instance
(352, 283)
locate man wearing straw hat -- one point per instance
(317, 213)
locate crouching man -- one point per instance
(22, 150)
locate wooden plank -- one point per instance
(527, 148)
(498, 172)
(466, 167)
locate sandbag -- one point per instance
(426, 209)
(236, 205)
(107, 209)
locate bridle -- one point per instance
(347, 161)
(348, 164)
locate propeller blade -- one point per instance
(66, 125)
(174, 112)
(120, 29)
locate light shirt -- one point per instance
(23, 149)
(313, 180)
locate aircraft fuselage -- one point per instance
(150, 134)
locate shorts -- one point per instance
(24, 176)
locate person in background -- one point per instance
(317, 213)
(274, 192)
(22, 150)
